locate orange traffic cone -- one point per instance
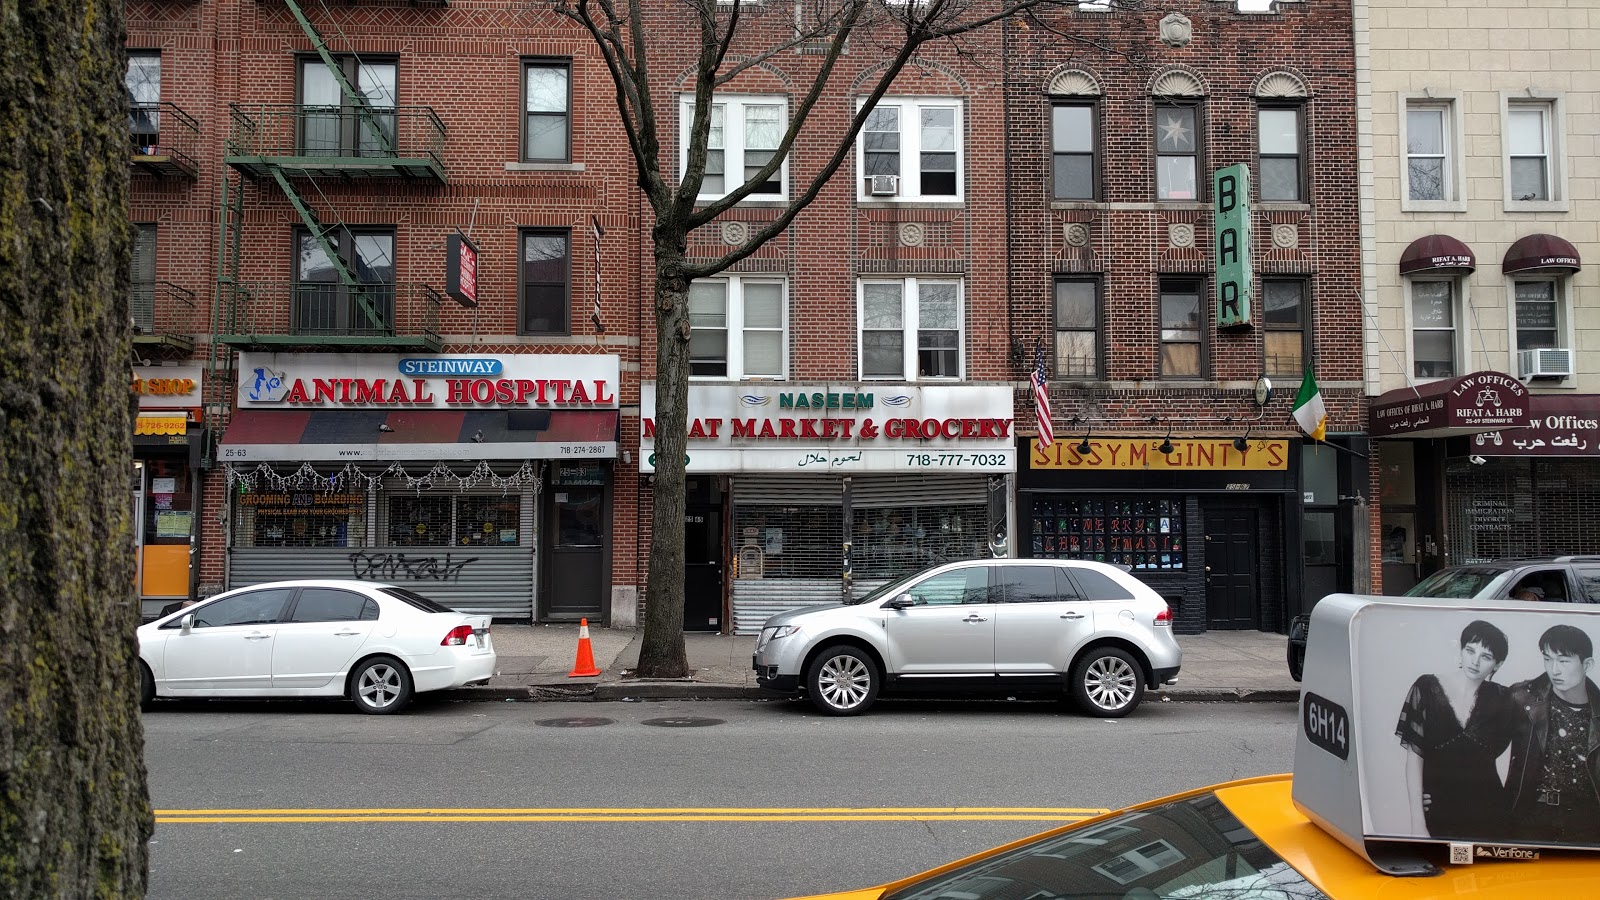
(584, 667)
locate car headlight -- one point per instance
(773, 632)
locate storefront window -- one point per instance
(1319, 542)
(896, 541)
(299, 519)
(169, 511)
(419, 521)
(488, 521)
(1143, 534)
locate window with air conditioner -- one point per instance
(1540, 320)
(911, 149)
(738, 328)
(911, 328)
(744, 137)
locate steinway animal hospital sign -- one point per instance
(359, 380)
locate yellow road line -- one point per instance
(688, 814)
(607, 810)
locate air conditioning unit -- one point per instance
(1550, 362)
(883, 185)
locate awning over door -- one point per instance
(1471, 404)
(1541, 251)
(426, 434)
(1437, 253)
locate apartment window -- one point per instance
(546, 282)
(144, 98)
(1181, 324)
(911, 328)
(1529, 140)
(143, 272)
(1072, 131)
(1284, 303)
(547, 116)
(323, 303)
(744, 137)
(911, 150)
(1538, 315)
(1077, 328)
(1433, 329)
(1278, 136)
(1429, 171)
(330, 125)
(1177, 152)
(738, 328)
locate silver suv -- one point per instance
(1007, 625)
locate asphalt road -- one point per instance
(693, 800)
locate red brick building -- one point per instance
(1164, 457)
(297, 185)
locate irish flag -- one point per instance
(1308, 409)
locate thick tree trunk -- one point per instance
(74, 811)
(662, 653)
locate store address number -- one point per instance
(936, 460)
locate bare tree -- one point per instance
(728, 38)
(74, 808)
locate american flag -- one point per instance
(1041, 401)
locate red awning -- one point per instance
(1436, 253)
(1472, 404)
(1541, 251)
(324, 435)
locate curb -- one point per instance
(691, 690)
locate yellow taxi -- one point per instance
(1242, 840)
(1354, 820)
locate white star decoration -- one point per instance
(1175, 132)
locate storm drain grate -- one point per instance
(683, 722)
(575, 722)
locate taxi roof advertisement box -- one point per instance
(1391, 759)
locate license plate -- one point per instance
(479, 639)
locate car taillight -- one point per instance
(458, 635)
(1165, 616)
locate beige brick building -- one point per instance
(1478, 178)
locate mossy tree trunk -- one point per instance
(74, 809)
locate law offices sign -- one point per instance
(391, 381)
(841, 427)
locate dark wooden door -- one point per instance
(702, 567)
(574, 573)
(1232, 588)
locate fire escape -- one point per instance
(296, 150)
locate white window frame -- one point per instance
(1554, 107)
(910, 325)
(734, 286)
(1563, 293)
(911, 151)
(1455, 183)
(1460, 309)
(733, 135)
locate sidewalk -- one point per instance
(534, 661)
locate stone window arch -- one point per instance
(1281, 86)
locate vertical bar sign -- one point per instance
(1235, 276)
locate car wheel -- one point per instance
(1107, 683)
(1297, 660)
(843, 681)
(381, 685)
(147, 686)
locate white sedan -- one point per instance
(375, 644)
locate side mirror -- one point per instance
(186, 624)
(904, 601)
